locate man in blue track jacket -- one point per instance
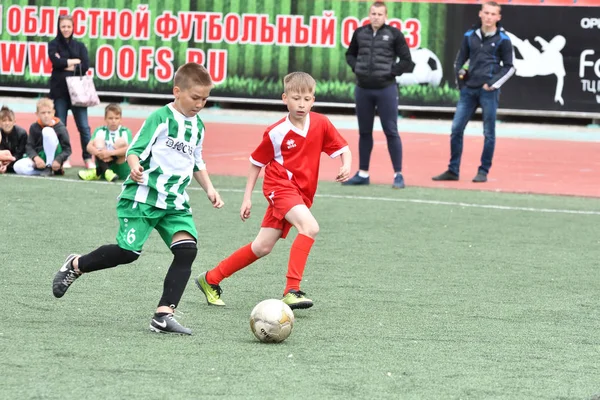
(489, 54)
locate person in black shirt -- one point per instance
(48, 144)
(13, 139)
(373, 56)
(69, 57)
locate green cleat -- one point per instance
(88, 174)
(110, 175)
(212, 292)
(297, 299)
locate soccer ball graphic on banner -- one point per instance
(271, 321)
(428, 69)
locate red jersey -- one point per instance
(292, 155)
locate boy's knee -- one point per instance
(48, 132)
(120, 143)
(310, 229)
(313, 232)
(99, 143)
(127, 256)
(261, 249)
(22, 166)
(185, 252)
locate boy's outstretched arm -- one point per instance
(203, 179)
(344, 172)
(253, 173)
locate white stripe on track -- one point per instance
(369, 198)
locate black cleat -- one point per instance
(168, 324)
(65, 277)
(357, 180)
(480, 177)
(446, 176)
(46, 171)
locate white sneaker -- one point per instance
(67, 164)
(90, 164)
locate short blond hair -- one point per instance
(492, 4)
(378, 4)
(299, 82)
(190, 75)
(44, 102)
(113, 108)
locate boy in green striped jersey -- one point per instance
(109, 145)
(163, 157)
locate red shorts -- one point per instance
(281, 198)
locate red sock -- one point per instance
(298, 256)
(241, 258)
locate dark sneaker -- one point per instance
(480, 177)
(46, 171)
(357, 180)
(59, 172)
(398, 182)
(297, 299)
(446, 176)
(65, 277)
(168, 324)
(212, 292)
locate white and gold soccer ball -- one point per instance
(271, 321)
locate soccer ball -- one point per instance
(271, 321)
(428, 69)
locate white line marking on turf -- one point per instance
(370, 198)
(461, 204)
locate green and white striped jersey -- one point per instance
(110, 137)
(169, 146)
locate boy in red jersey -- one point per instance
(290, 152)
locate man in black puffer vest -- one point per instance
(373, 56)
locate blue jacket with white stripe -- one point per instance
(490, 58)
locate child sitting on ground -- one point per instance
(109, 145)
(13, 139)
(48, 145)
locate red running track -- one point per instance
(520, 165)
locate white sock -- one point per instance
(397, 173)
(363, 174)
(50, 144)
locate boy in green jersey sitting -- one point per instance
(109, 145)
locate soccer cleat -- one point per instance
(357, 180)
(46, 171)
(88, 174)
(59, 172)
(65, 277)
(297, 299)
(168, 324)
(212, 292)
(110, 175)
(446, 176)
(480, 177)
(398, 182)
